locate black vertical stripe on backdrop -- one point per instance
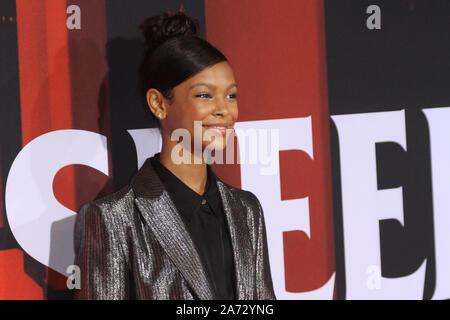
(405, 65)
(125, 49)
(10, 120)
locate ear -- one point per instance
(156, 102)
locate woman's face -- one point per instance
(209, 97)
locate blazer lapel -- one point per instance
(161, 215)
(163, 218)
(241, 242)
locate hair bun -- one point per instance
(157, 29)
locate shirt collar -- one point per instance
(185, 199)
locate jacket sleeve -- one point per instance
(264, 285)
(98, 254)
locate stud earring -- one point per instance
(160, 115)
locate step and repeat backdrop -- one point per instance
(357, 202)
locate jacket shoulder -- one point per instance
(114, 209)
(114, 205)
(117, 198)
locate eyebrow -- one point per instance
(209, 85)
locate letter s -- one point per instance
(31, 206)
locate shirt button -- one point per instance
(203, 201)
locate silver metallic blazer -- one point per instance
(133, 244)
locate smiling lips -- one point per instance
(220, 127)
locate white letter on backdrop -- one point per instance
(147, 142)
(363, 205)
(280, 216)
(41, 224)
(438, 122)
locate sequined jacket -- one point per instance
(132, 244)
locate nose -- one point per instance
(221, 108)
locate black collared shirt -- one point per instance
(207, 225)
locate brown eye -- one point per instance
(232, 96)
(203, 95)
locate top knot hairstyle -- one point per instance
(174, 52)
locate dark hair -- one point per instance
(174, 52)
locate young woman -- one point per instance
(177, 231)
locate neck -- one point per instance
(193, 174)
